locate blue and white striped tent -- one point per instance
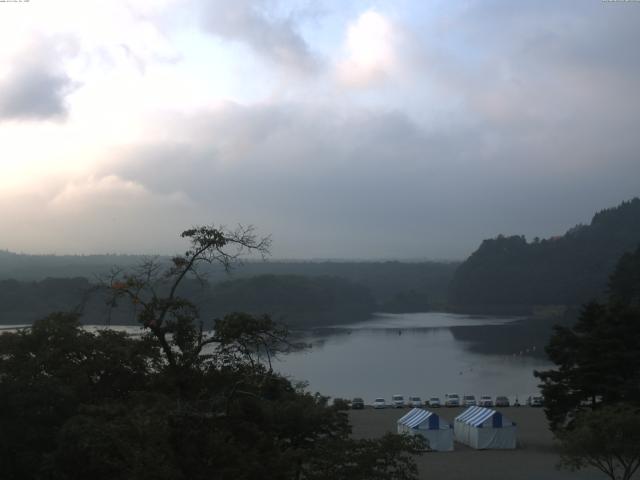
(484, 428)
(438, 433)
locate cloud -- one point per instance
(255, 24)
(370, 50)
(506, 118)
(326, 184)
(543, 85)
(93, 214)
(36, 85)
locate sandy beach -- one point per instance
(534, 459)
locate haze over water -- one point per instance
(409, 354)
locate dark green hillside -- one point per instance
(395, 286)
(510, 272)
(293, 299)
(38, 267)
(390, 282)
(24, 302)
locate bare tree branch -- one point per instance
(169, 314)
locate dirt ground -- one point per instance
(534, 459)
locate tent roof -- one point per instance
(415, 417)
(475, 416)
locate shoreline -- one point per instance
(535, 457)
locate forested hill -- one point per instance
(395, 285)
(295, 300)
(510, 273)
(24, 267)
(291, 299)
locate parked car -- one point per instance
(434, 402)
(469, 401)
(451, 400)
(502, 401)
(397, 401)
(486, 401)
(534, 401)
(357, 403)
(379, 403)
(591, 401)
(415, 402)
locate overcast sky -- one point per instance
(347, 128)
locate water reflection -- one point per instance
(390, 321)
(410, 354)
(414, 354)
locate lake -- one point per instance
(409, 354)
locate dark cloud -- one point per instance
(36, 86)
(256, 24)
(34, 93)
(544, 136)
(366, 184)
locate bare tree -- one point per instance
(153, 288)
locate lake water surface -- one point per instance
(409, 354)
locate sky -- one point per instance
(405, 129)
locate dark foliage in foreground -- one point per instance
(177, 402)
(598, 359)
(607, 439)
(592, 398)
(75, 404)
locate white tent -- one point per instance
(483, 428)
(438, 434)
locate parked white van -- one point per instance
(451, 400)
(397, 401)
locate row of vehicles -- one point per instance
(450, 400)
